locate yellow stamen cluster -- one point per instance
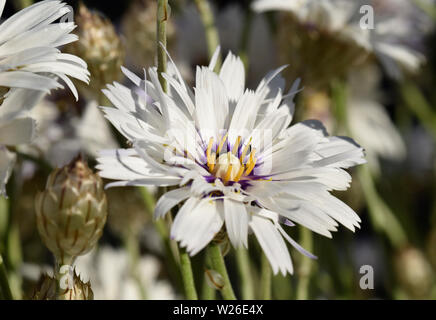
(227, 166)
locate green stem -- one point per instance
(218, 264)
(132, 246)
(244, 269)
(305, 268)
(265, 278)
(382, 218)
(171, 250)
(162, 17)
(5, 289)
(212, 36)
(420, 107)
(207, 291)
(187, 275)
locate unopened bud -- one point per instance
(214, 279)
(101, 47)
(139, 27)
(71, 211)
(414, 272)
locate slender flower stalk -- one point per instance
(5, 290)
(219, 265)
(132, 247)
(418, 104)
(382, 218)
(209, 285)
(212, 36)
(162, 17)
(305, 267)
(265, 278)
(187, 275)
(245, 274)
(171, 249)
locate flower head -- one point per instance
(28, 48)
(351, 30)
(30, 64)
(231, 157)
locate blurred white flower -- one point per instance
(59, 141)
(16, 127)
(110, 274)
(233, 156)
(28, 55)
(29, 67)
(395, 22)
(368, 120)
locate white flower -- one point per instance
(231, 156)
(111, 278)
(387, 38)
(16, 127)
(29, 57)
(59, 139)
(29, 66)
(368, 120)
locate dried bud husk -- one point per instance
(214, 279)
(317, 54)
(414, 273)
(221, 238)
(71, 211)
(47, 289)
(101, 47)
(127, 214)
(139, 28)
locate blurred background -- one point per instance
(390, 109)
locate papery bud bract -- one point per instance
(101, 47)
(46, 289)
(214, 279)
(71, 211)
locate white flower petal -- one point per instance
(236, 218)
(196, 224)
(272, 244)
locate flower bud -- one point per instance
(71, 211)
(139, 27)
(214, 279)
(76, 289)
(414, 272)
(100, 46)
